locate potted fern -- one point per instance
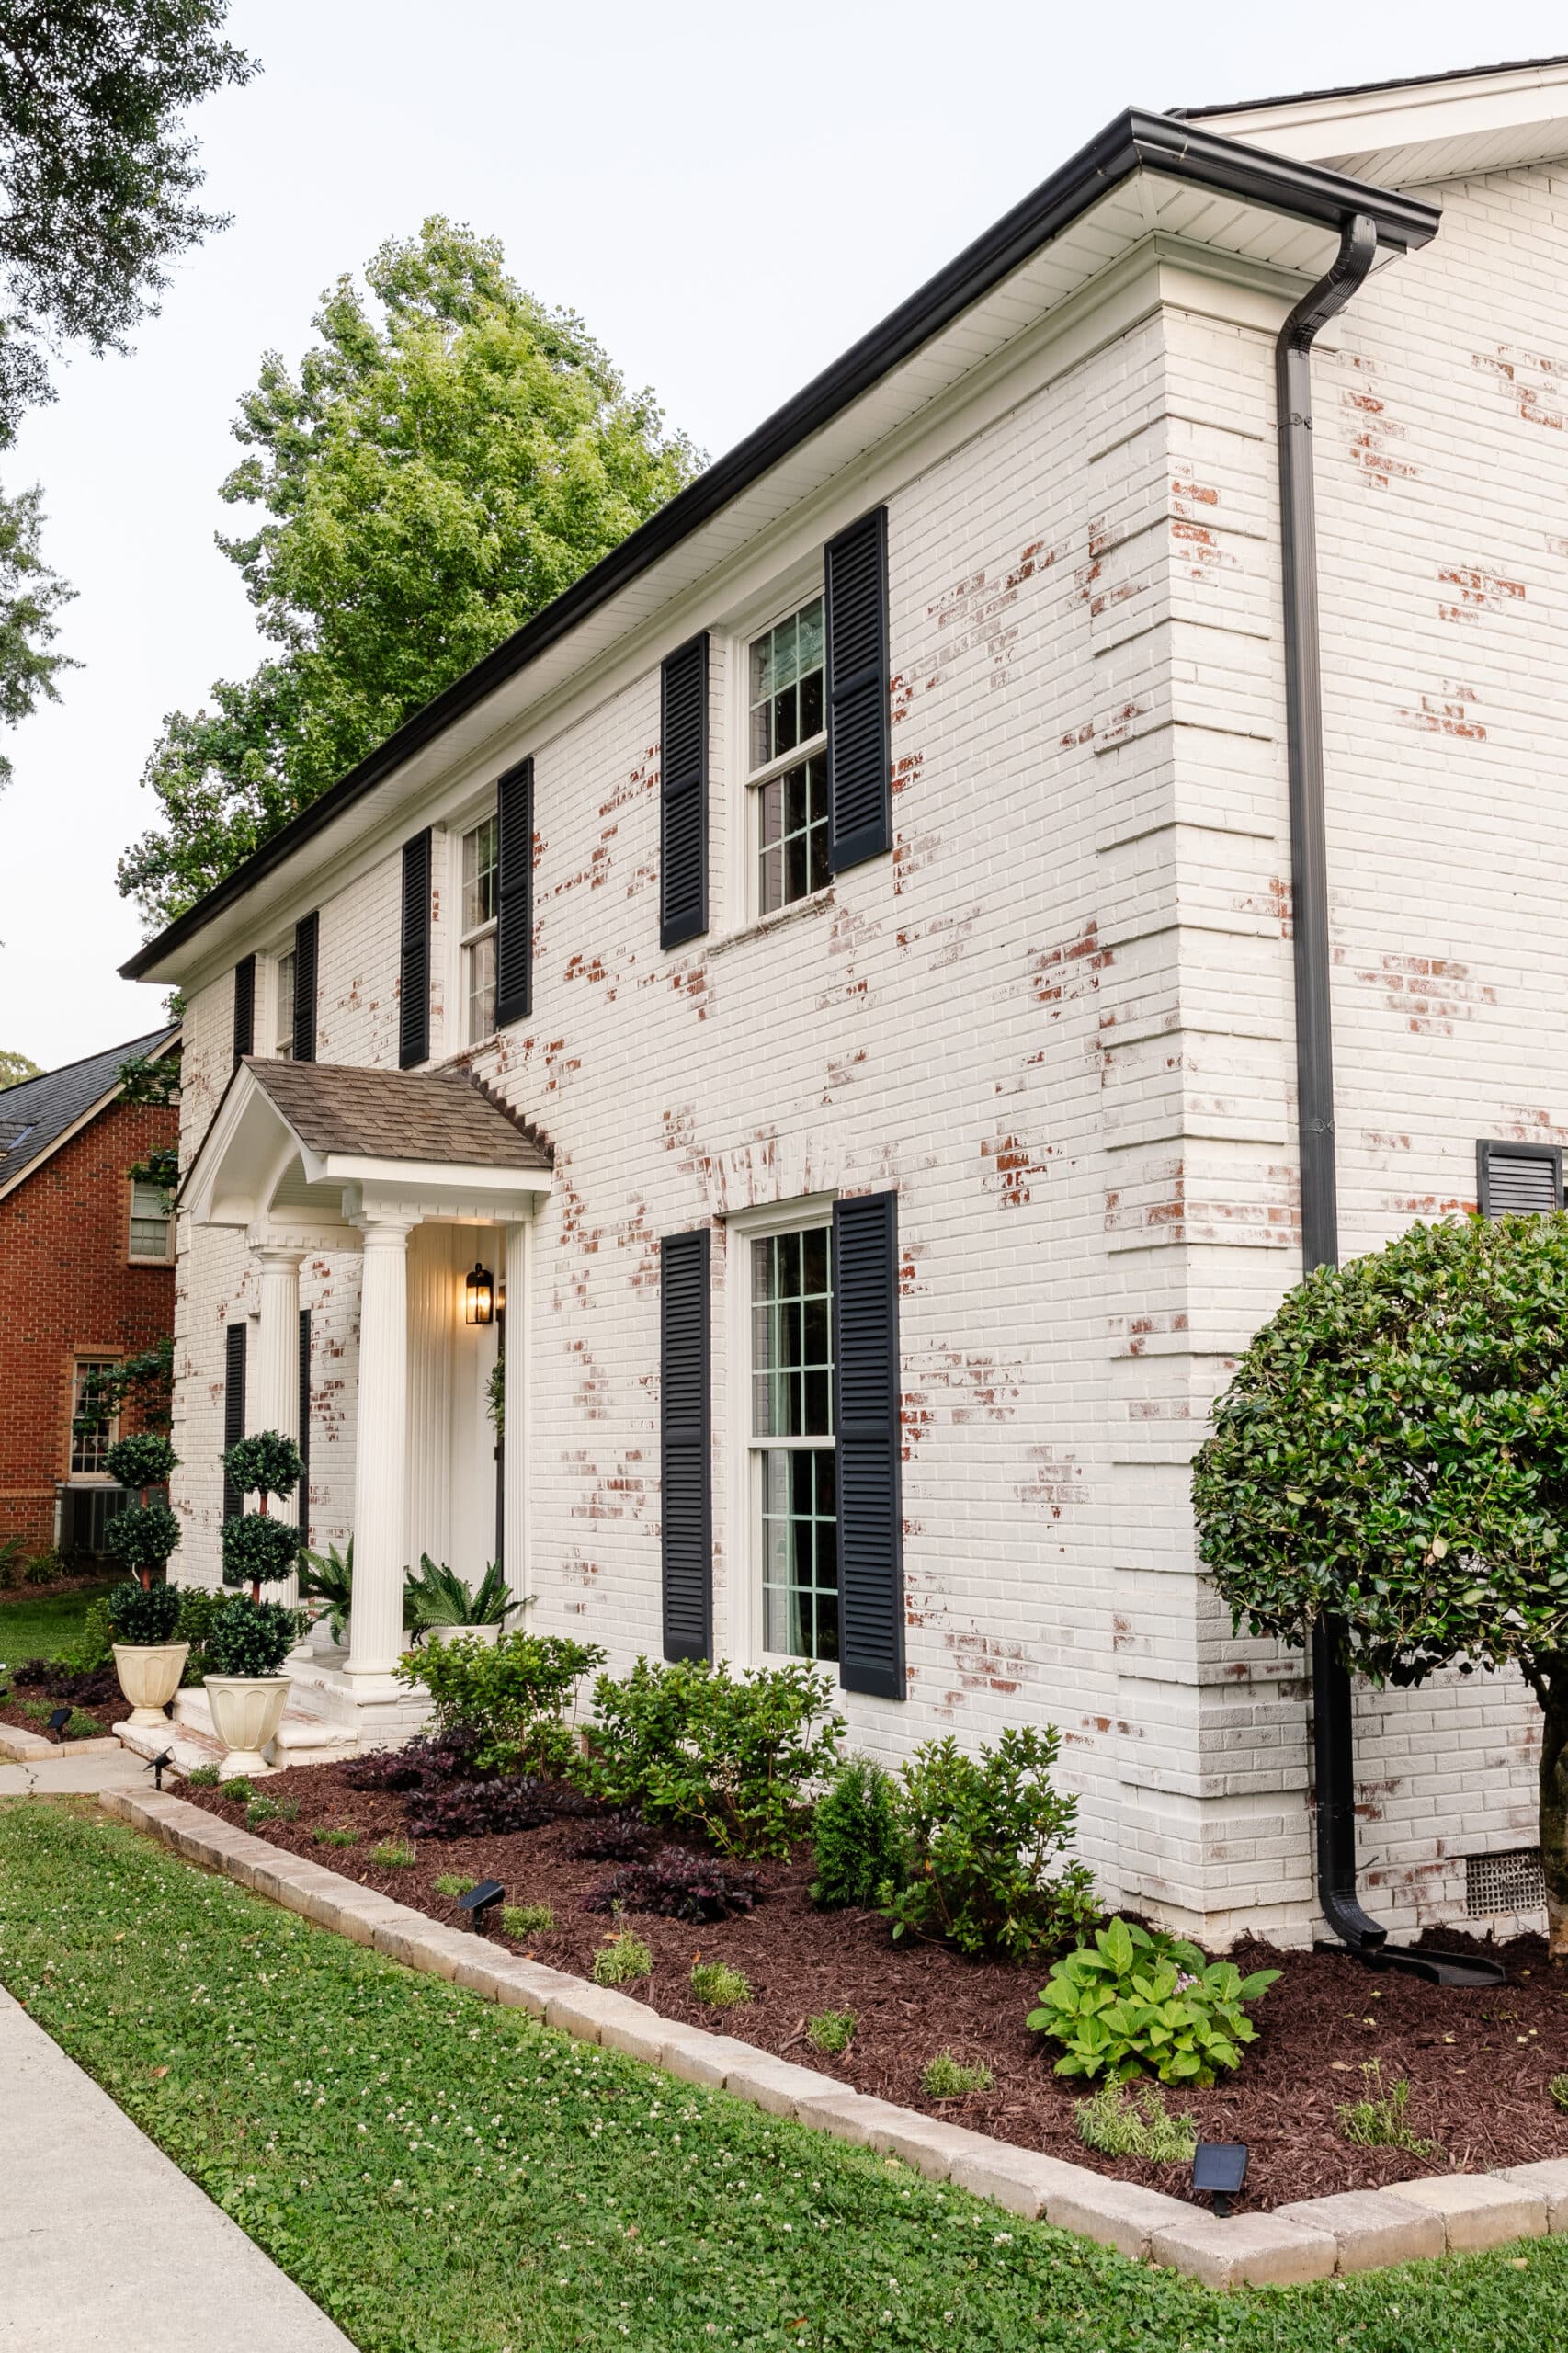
(438, 1605)
(145, 1613)
(250, 1640)
(328, 1578)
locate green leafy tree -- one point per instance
(447, 458)
(14, 1068)
(1391, 1457)
(98, 186)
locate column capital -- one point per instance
(384, 1229)
(285, 1255)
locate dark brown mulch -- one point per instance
(89, 1580)
(1478, 2064)
(104, 1716)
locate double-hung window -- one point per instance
(283, 1007)
(787, 757)
(149, 1222)
(92, 1429)
(792, 1440)
(482, 854)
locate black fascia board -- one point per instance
(1133, 141)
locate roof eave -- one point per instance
(1134, 140)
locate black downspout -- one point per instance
(1333, 1747)
(1334, 1759)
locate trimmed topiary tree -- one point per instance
(1391, 1457)
(258, 1549)
(252, 1638)
(144, 1535)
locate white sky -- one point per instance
(728, 194)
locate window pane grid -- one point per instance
(91, 1443)
(792, 1422)
(482, 867)
(792, 859)
(149, 1222)
(283, 1046)
(787, 714)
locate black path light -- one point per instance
(479, 1296)
(480, 1900)
(1220, 2167)
(156, 1764)
(58, 1720)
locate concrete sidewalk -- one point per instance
(104, 2243)
(64, 1772)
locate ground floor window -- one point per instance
(92, 1428)
(792, 1440)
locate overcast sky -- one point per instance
(729, 195)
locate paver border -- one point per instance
(1313, 2239)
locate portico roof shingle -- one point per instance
(426, 1116)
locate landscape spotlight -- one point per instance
(58, 1722)
(479, 1296)
(156, 1764)
(1220, 2167)
(480, 1900)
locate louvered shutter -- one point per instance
(307, 939)
(414, 994)
(233, 1408)
(860, 792)
(304, 1487)
(683, 788)
(245, 1007)
(515, 895)
(686, 1452)
(1518, 1179)
(867, 1432)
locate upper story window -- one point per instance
(792, 1440)
(92, 1429)
(283, 1007)
(787, 757)
(481, 870)
(149, 1222)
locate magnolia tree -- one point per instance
(1392, 1457)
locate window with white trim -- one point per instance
(149, 1222)
(787, 757)
(481, 858)
(92, 1432)
(794, 1465)
(283, 1006)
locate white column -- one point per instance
(380, 1440)
(514, 1458)
(273, 1403)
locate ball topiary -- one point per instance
(145, 1461)
(142, 1538)
(1392, 1457)
(257, 1550)
(250, 1638)
(145, 1615)
(265, 1464)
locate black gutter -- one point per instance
(1136, 141)
(1334, 1763)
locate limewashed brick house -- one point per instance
(892, 974)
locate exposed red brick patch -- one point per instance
(1071, 969)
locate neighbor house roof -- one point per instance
(1228, 177)
(1369, 89)
(38, 1115)
(428, 1116)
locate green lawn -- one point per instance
(447, 2177)
(39, 1625)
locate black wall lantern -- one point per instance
(479, 1297)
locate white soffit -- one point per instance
(1230, 228)
(1416, 132)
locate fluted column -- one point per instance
(514, 1461)
(275, 1402)
(381, 1438)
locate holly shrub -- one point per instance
(514, 1697)
(1135, 2000)
(859, 1836)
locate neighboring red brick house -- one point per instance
(87, 1278)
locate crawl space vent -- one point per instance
(1508, 1882)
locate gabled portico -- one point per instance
(310, 1158)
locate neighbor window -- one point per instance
(787, 757)
(791, 1441)
(92, 1429)
(150, 1221)
(481, 867)
(283, 1005)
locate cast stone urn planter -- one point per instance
(488, 1635)
(247, 1713)
(149, 1675)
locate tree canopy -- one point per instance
(97, 185)
(14, 1068)
(1391, 1456)
(445, 460)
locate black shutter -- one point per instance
(683, 788)
(233, 1408)
(686, 1456)
(859, 754)
(304, 1487)
(307, 933)
(413, 998)
(866, 1425)
(1518, 1179)
(245, 1007)
(515, 895)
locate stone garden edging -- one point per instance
(19, 1747)
(1360, 2230)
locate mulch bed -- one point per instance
(1478, 2063)
(105, 1717)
